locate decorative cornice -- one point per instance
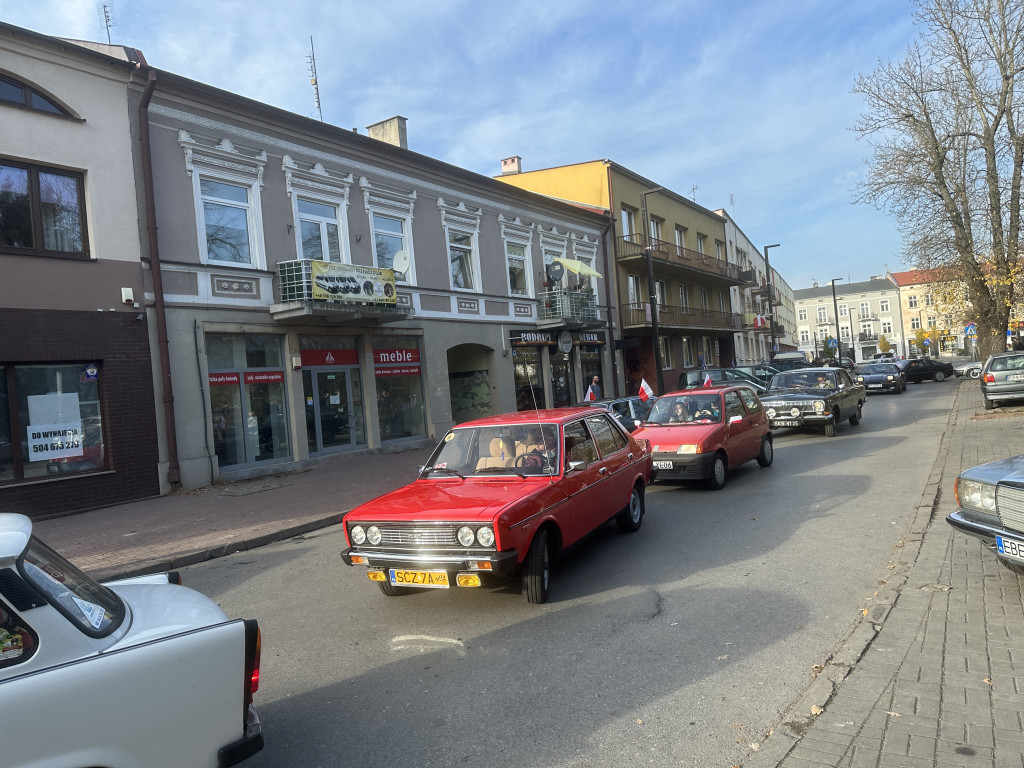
(222, 155)
(387, 200)
(314, 178)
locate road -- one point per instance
(681, 644)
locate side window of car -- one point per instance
(621, 409)
(750, 400)
(608, 438)
(17, 640)
(579, 445)
(733, 406)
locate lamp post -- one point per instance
(835, 307)
(771, 305)
(652, 294)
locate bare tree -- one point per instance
(945, 129)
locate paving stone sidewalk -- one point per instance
(933, 675)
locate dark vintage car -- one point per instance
(814, 397)
(699, 377)
(882, 377)
(1002, 379)
(920, 369)
(990, 500)
(702, 434)
(630, 410)
(502, 496)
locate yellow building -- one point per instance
(665, 245)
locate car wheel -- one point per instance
(718, 472)
(630, 518)
(537, 569)
(830, 429)
(767, 454)
(989, 405)
(856, 417)
(975, 373)
(390, 589)
(939, 376)
(900, 389)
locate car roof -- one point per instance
(713, 390)
(517, 418)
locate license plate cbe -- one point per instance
(430, 579)
(1010, 548)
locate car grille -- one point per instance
(783, 407)
(416, 535)
(1010, 506)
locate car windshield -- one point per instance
(870, 369)
(92, 607)
(804, 380)
(518, 449)
(687, 409)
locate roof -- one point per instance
(919, 277)
(845, 289)
(520, 418)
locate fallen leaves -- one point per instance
(987, 681)
(894, 714)
(816, 710)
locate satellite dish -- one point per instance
(401, 262)
(555, 272)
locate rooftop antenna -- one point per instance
(693, 193)
(311, 60)
(107, 17)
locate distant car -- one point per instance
(883, 377)
(629, 410)
(790, 364)
(1002, 378)
(844, 362)
(990, 498)
(970, 369)
(696, 377)
(814, 397)
(136, 672)
(884, 357)
(502, 496)
(920, 369)
(761, 373)
(701, 435)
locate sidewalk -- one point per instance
(183, 528)
(933, 675)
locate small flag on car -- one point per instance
(646, 393)
(707, 379)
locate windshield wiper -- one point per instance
(447, 470)
(499, 471)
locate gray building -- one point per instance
(867, 312)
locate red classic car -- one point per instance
(502, 496)
(703, 433)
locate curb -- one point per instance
(783, 738)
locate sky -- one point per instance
(745, 105)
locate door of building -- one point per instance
(334, 409)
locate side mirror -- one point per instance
(574, 465)
(735, 419)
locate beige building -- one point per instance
(866, 311)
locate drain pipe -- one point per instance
(159, 309)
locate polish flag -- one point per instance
(590, 394)
(646, 393)
(707, 380)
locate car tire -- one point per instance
(719, 470)
(631, 517)
(901, 389)
(537, 569)
(767, 454)
(830, 429)
(391, 590)
(856, 417)
(975, 373)
(939, 376)
(989, 405)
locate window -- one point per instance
(518, 276)
(318, 230)
(723, 301)
(805, 336)
(655, 228)
(666, 352)
(681, 237)
(886, 326)
(912, 301)
(718, 249)
(320, 206)
(13, 92)
(701, 240)
(915, 323)
(627, 223)
(844, 331)
(609, 439)
(931, 321)
(684, 296)
(42, 211)
(633, 287)
(866, 329)
(822, 314)
(228, 222)
(687, 346)
(19, 641)
(388, 239)
(704, 299)
(659, 291)
(750, 400)
(733, 405)
(928, 301)
(865, 309)
(883, 305)
(390, 215)
(843, 312)
(460, 260)
(801, 314)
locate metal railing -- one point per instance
(633, 246)
(562, 304)
(672, 316)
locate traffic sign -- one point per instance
(971, 329)
(833, 344)
(927, 342)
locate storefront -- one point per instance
(333, 393)
(247, 396)
(397, 372)
(570, 361)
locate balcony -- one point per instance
(663, 253)
(305, 284)
(754, 321)
(566, 308)
(672, 316)
(862, 336)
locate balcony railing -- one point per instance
(753, 321)
(672, 316)
(633, 246)
(867, 336)
(567, 306)
(296, 295)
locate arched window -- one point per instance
(21, 95)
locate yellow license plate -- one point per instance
(432, 579)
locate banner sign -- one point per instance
(398, 370)
(55, 441)
(354, 283)
(311, 357)
(387, 356)
(220, 379)
(264, 377)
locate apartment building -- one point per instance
(865, 313)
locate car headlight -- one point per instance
(466, 536)
(485, 537)
(771, 413)
(890, 377)
(358, 534)
(688, 449)
(794, 411)
(819, 406)
(971, 494)
(373, 535)
(860, 379)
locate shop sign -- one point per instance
(589, 338)
(352, 283)
(387, 356)
(55, 441)
(264, 377)
(533, 337)
(219, 379)
(398, 370)
(311, 357)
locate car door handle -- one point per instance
(603, 470)
(629, 455)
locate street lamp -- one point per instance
(652, 294)
(771, 305)
(835, 307)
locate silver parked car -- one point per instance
(991, 508)
(1002, 378)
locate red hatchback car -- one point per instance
(700, 434)
(502, 496)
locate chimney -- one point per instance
(511, 165)
(391, 131)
